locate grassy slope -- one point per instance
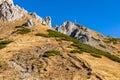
(79, 45)
(26, 43)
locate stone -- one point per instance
(9, 12)
(48, 21)
(76, 31)
(79, 32)
(29, 23)
(35, 16)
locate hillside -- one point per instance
(30, 49)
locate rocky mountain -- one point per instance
(83, 34)
(77, 31)
(47, 21)
(10, 12)
(30, 49)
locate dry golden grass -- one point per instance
(23, 44)
(104, 67)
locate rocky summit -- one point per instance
(31, 49)
(79, 32)
(10, 12)
(75, 30)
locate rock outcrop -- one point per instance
(48, 21)
(77, 31)
(74, 30)
(29, 23)
(9, 12)
(36, 17)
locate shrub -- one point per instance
(95, 55)
(43, 35)
(56, 34)
(102, 46)
(51, 53)
(90, 49)
(1, 64)
(2, 46)
(81, 46)
(76, 51)
(95, 39)
(69, 46)
(112, 40)
(23, 31)
(4, 43)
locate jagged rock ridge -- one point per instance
(47, 21)
(10, 12)
(24, 59)
(76, 31)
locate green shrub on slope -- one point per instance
(4, 43)
(81, 46)
(51, 53)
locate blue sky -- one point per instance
(100, 15)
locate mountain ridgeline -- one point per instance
(32, 49)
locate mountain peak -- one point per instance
(30, 49)
(9, 12)
(9, 1)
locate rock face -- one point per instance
(9, 12)
(35, 16)
(48, 21)
(29, 23)
(76, 31)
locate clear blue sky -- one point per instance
(100, 15)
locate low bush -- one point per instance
(76, 51)
(43, 35)
(95, 55)
(56, 34)
(4, 43)
(1, 64)
(23, 31)
(90, 49)
(102, 46)
(2, 46)
(51, 53)
(112, 40)
(79, 45)
(69, 47)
